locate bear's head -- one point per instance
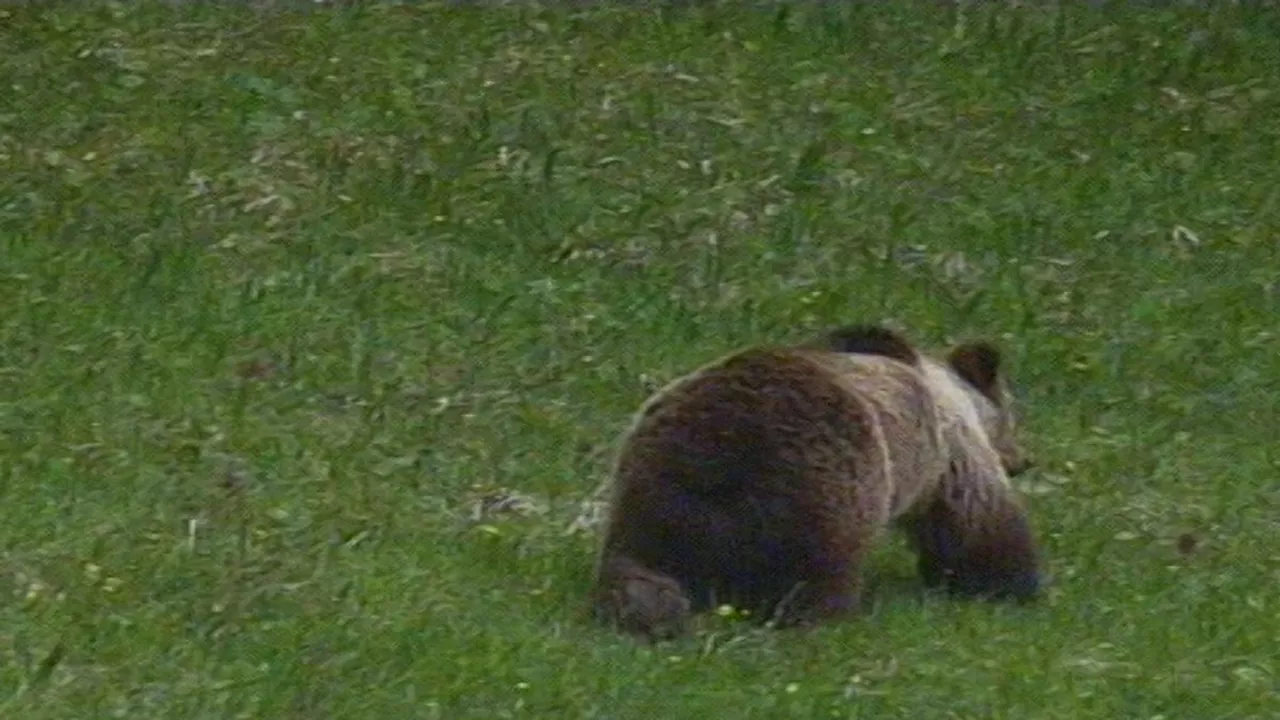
(978, 366)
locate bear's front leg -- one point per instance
(978, 545)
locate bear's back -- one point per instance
(756, 414)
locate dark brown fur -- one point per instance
(979, 364)
(762, 481)
(869, 340)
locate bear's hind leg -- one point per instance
(640, 600)
(836, 535)
(829, 596)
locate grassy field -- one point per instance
(289, 298)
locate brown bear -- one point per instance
(762, 479)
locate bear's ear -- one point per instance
(870, 340)
(979, 364)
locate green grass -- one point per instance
(285, 292)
